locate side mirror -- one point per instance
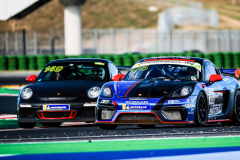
(215, 77)
(31, 78)
(118, 77)
(236, 73)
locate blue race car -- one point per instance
(170, 90)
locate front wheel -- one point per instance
(201, 111)
(26, 125)
(236, 109)
(107, 127)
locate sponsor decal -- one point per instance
(190, 105)
(53, 69)
(99, 63)
(169, 61)
(173, 101)
(211, 97)
(215, 109)
(136, 101)
(56, 107)
(194, 100)
(137, 98)
(190, 112)
(136, 107)
(172, 59)
(105, 101)
(142, 68)
(227, 80)
(90, 104)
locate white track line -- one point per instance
(7, 94)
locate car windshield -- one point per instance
(186, 70)
(65, 71)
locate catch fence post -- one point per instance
(52, 42)
(96, 40)
(16, 43)
(127, 39)
(24, 42)
(35, 42)
(6, 43)
(112, 40)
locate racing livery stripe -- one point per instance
(132, 87)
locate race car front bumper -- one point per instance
(77, 113)
(174, 113)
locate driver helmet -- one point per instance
(98, 71)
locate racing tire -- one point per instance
(146, 126)
(26, 125)
(236, 111)
(201, 111)
(107, 127)
(55, 124)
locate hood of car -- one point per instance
(153, 88)
(64, 88)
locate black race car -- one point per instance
(65, 91)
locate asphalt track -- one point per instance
(83, 132)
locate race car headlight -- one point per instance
(106, 92)
(26, 93)
(94, 92)
(182, 92)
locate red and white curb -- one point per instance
(8, 116)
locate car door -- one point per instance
(216, 92)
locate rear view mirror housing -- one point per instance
(215, 77)
(118, 77)
(31, 78)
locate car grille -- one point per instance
(56, 114)
(137, 118)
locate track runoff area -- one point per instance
(140, 146)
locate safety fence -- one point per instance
(37, 62)
(119, 41)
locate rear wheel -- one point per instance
(55, 124)
(26, 125)
(107, 127)
(146, 126)
(201, 112)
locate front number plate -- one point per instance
(56, 107)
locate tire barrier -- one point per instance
(226, 60)
(12, 62)
(3, 63)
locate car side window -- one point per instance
(209, 69)
(113, 70)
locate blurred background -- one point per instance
(122, 31)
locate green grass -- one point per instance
(7, 91)
(123, 145)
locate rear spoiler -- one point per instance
(230, 71)
(124, 67)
